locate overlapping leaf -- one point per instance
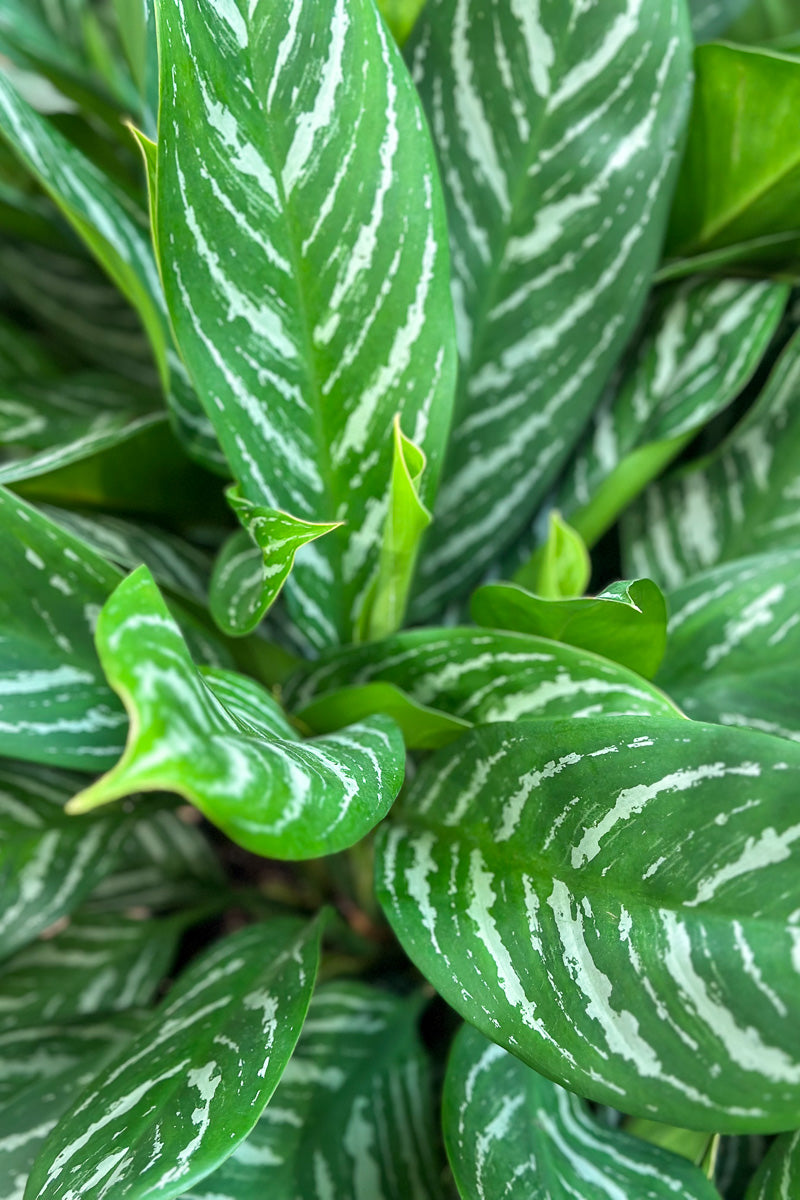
(559, 569)
(510, 1132)
(711, 18)
(304, 254)
(221, 741)
(616, 903)
(733, 651)
(352, 1115)
(190, 1087)
(556, 129)
(742, 499)
(778, 1178)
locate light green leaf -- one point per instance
(352, 1116)
(778, 1178)
(627, 622)
(702, 342)
(510, 1132)
(423, 727)
(400, 16)
(407, 518)
(255, 562)
(733, 648)
(557, 129)
(304, 255)
(177, 1102)
(561, 568)
(616, 903)
(739, 187)
(740, 500)
(479, 675)
(48, 862)
(221, 741)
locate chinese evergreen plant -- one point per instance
(399, 396)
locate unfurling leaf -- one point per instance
(560, 569)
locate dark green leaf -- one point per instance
(711, 18)
(778, 1178)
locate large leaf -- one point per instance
(48, 862)
(556, 128)
(616, 903)
(352, 1116)
(733, 651)
(304, 254)
(740, 500)
(510, 1132)
(779, 1175)
(703, 340)
(221, 741)
(176, 1102)
(482, 675)
(739, 187)
(627, 622)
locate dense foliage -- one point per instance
(399, 637)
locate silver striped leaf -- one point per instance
(616, 902)
(23, 354)
(510, 1132)
(733, 647)
(49, 862)
(481, 675)
(778, 1177)
(352, 1117)
(740, 500)
(176, 1102)
(221, 741)
(702, 341)
(303, 248)
(556, 127)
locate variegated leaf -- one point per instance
(778, 1178)
(48, 862)
(627, 622)
(615, 902)
(742, 499)
(510, 1132)
(703, 340)
(481, 675)
(556, 128)
(353, 1113)
(221, 741)
(733, 649)
(179, 1099)
(303, 248)
(23, 354)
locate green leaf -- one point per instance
(627, 622)
(511, 1132)
(407, 519)
(702, 341)
(23, 354)
(48, 862)
(778, 1178)
(255, 562)
(177, 1102)
(616, 903)
(423, 727)
(740, 179)
(740, 500)
(557, 131)
(561, 568)
(695, 1145)
(400, 16)
(221, 741)
(479, 675)
(304, 255)
(768, 21)
(733, 651)
(352, 1115)
(712, 18)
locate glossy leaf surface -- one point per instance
(561, 568)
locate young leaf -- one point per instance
(627, 622)
(778, 1178)
(423, 727)
(303, 248)
(556, 129)
(510, 1132)
(733, 650)
(221, 741)
(739, 500)
(190, 1087)
(561, 568)
(616, 903)
(479, 676)
(400, 16)
(255, 563)
(48, 862)
(352, 1115)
